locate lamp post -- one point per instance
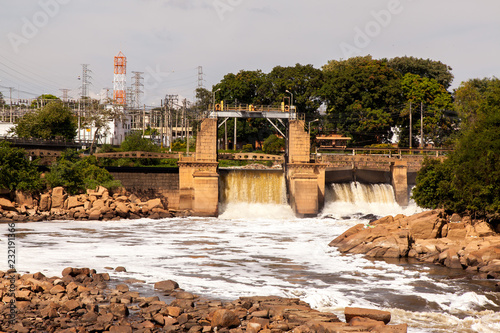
(309, 126)
(291, 99)
(213, 99)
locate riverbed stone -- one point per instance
(378, 315)
(225, 319)
(167, 285)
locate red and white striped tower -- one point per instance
(119, 81)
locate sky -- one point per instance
(43, 43)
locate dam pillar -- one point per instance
(198, 176)
(399, 180)
(305, 180)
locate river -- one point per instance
(262, 249)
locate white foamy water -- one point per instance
(262, 249)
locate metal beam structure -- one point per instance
(252, 114)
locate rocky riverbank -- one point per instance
(98, 204)
(85, 301)
(432, 237)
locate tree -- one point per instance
(362, 96)
(53, 121)
(304, 82)
(76, 174)
(471, 98)
(274, 145)
(135, 142)
(425, 68)
(469, 179)
(422, 91)
(203, 99)
(240, 88)
(2, 101)
(16, 171)
(43, 100)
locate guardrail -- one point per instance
(251, 108)
(391, 152)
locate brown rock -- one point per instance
(174, 311)
(184, 318)
(71, 305)
(5, 204)
(120, 269)
(45, 202)
(378, 315)
(123, 288)
(119, 310)
(24, 199)
(89, 317)
(159, 319)
(57, 289)
(121, 209)
(58, 197)
(225, 318)
(167, 285)
(425, 225)
(456, 231)
(184, 295)
(94, 215)
(154, 203)
(121, 329)
(73, 202)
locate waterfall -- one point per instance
(343, 199)
(358, 193)
(252, 186)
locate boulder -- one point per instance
(426, 225)
(119, 310)
(7, 205)
(45, 202)
(378, 315)
(58, 197)
(154, 203)
(73, 202)
(23, 198)
(121, 209)
(167, 285)
(223, 318)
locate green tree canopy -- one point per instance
(240, 88)
(436, 102)
(303, 81)
(469, 179)
(53, 121)
(135, 142)
(425, 68)
(76, 174)
(44, 99)
(362, 96)
(16, 171)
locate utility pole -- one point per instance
(235, 122)
(411, 135)
(170, 101)
(10, 101)
(422, 124)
